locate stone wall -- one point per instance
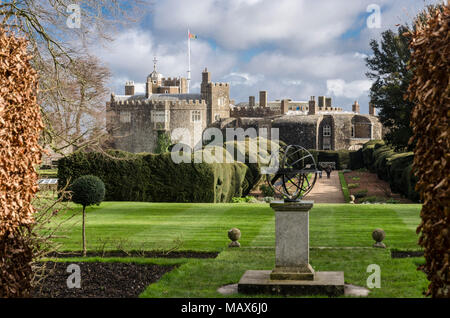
(134, 125)
(308, 130)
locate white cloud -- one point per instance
(355, 89)
(295, 48)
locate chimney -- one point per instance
(263, 99)
(355, 107)
(251, 101)
(321, 102)
(129, 88)
(284, 106)
(372, 110)
(312, 106)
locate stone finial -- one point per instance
(379, 235)
(234, 235)
(352, 199)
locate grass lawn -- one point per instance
(203, 227)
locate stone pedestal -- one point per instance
(292, 241)
(292, 275)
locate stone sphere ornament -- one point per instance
(293, 173)
(234, 235)
(352, 199)
(378, 236)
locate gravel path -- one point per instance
(327, 190)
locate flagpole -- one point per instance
(189, 61)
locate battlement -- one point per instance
(239, 112)
(220, 84)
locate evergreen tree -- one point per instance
(388, 67)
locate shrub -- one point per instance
(156, 178)
(367, 151)
(372, 199)
(356, 160)
(269, 199)
(353, 185)
(356, 178)
(344, 187)
(266, 190)
(87, 190)
(246, 199)
(392, 201)
(361, 194)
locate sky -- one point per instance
(291, 48)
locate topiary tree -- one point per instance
(87, 190)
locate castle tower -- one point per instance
(263, 99)
(328, 102)
(129, 88)
(355, 107)
(153, 80)
(312, 106)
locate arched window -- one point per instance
(327, 130)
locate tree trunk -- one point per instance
(84, 231)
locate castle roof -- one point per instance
(159, 97)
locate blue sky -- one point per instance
(291, 48)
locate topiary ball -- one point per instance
(378, 235)
(87, 190)
(234, 234)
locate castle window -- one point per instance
(196, 116)
(166, 91)
(125, 117)
(327, 130)
(353, 131)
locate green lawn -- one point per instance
(203, 227)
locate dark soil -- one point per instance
(146, 254)
(374, 186)
(100, 280)
(405, 254)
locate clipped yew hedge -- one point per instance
(391, 166)
(155, 177)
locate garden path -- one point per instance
(327, 190)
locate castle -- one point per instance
(136, 121)
(313, 124)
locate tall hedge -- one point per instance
(391, 166)
(20, 129)
(430, 90)
(155, 178)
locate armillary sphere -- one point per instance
(296, 174)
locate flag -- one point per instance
(192, 36)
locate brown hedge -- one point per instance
(20, 126)
(429, 89)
